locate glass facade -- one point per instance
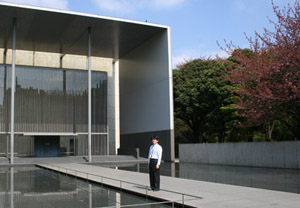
(53, 100)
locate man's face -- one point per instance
(154, 141)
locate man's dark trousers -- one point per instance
(154, 175)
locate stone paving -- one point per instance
(195, 193)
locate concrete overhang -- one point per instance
(66, 32)
(47, 134)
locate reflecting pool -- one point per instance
(30, 187)
(287, 180)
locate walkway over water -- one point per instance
(193, 193)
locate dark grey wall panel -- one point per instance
(254, 154)
(143, 142)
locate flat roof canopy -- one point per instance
(50, 30)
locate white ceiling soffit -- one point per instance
(58, 31)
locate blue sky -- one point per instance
(196, 24)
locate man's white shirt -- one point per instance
(155, 152)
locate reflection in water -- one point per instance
(287, 180)
(90, 196)
(12, 191)
(31, 187)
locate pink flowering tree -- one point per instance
(266, 78)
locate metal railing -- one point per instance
(69, 171)
(144, 204)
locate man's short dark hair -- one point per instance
(155, 137)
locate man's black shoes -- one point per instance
(154, 189)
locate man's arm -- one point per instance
(149, 155)
(159, 157)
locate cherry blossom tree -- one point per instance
(266, 78)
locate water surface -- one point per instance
(31, 187)
(287, 180)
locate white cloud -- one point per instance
(58, 4)
(184, 54)
(187, 54)
(127, 6)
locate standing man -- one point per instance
(154, 159)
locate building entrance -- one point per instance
(46, 146)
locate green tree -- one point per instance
(200, 91)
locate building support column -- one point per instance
(12, 109)
(116, 105)
(89, 97)
(6, 101)
(107, 140)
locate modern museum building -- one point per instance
(81, 84)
